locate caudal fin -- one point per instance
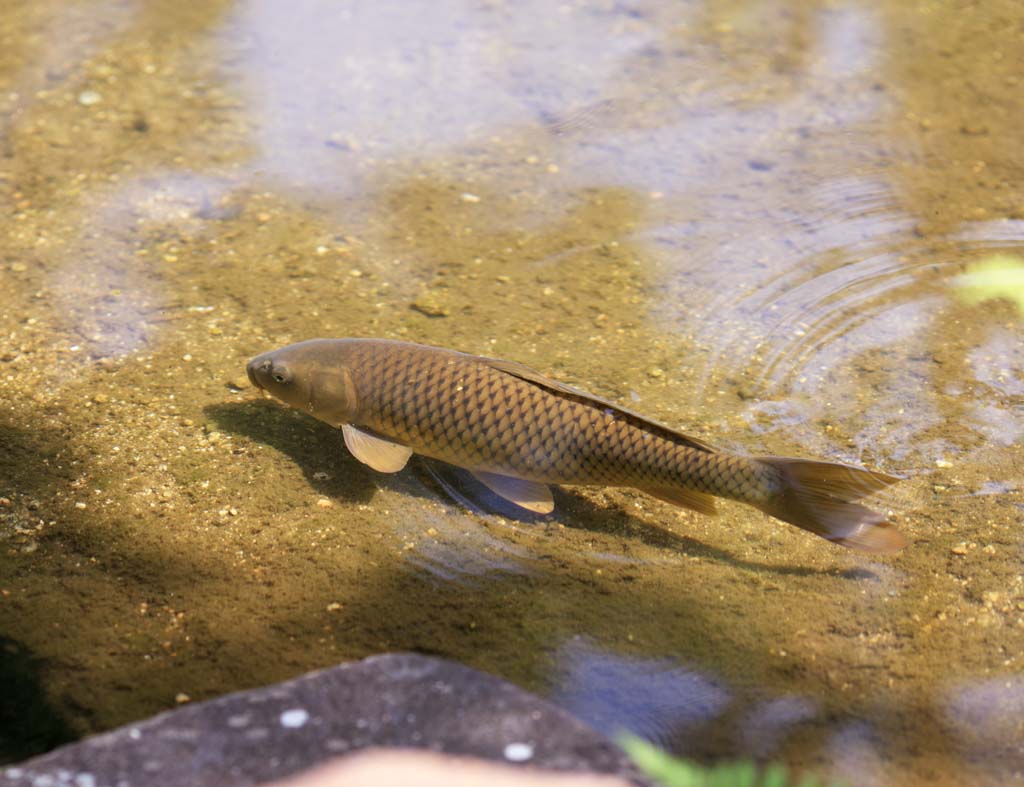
(819, 497)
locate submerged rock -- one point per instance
(394, 700)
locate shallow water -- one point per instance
(746, 220)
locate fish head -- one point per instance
(310, 376)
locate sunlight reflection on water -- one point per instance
(460, 548)
(413, 83)
(767, 724)
(653, 698)
(988, 713)
(111, 298)
(854, 752)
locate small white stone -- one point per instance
(89, 97)
(518, 752)
(294, 718)
(468, 197)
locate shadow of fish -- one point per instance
(517, 431)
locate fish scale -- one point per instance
(459, 409)
(518, 430)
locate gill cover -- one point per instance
(331, 395)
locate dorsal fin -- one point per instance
(532, 376)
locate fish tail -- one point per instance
(819, 497)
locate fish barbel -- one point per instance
(517, 431)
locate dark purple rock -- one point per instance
(253, 737)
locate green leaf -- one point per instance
(669, 771)
(661, 766)
(997, 276)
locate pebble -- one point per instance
(960, 549)
(432, 304)
(181, 698)
(334, 606)
(323, 502)
(467, 197)
(88, 98)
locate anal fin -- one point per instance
(531, 495)
(687, 498)
(382, 455)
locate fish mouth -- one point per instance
(250, 370)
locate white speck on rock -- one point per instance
(85, 780)
(89, 97)
(518, 752)
(239, 720)
(134, 733)
(294, 718)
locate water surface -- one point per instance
(745, 219)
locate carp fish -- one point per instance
(518, 431)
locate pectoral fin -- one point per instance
(531, 495)
(382, 455)
(687, 498)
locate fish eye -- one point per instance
(281, 374)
